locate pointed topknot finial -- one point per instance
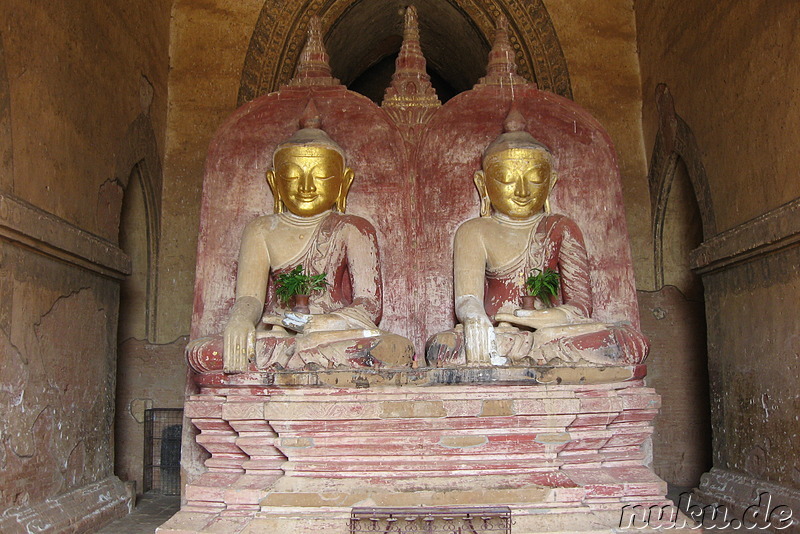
(514, 122)
(310, 117)
(313, 67)
(411, 25)
(410, 99)
(410, 61)
(514, 134)
(502, 67)
(501, 31)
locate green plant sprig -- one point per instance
(543, 284)
(296, 282)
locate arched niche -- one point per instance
(675, 154)
(138, 237)
(455, 34)
(130, 211)
(673, 316)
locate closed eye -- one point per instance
(537, 175)
(290, 172)
(505, 177)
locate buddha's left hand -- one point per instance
(326, 322)
(306, 324)
(535, 318)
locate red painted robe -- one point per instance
(346, 248)
(556, 243)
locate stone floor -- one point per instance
(152, 509)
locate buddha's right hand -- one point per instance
(238, 344)
(239, 338)
(479, 340)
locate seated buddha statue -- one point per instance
(309, 182)
(493, 257)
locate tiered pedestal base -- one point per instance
(305, 458)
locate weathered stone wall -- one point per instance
(74, 77)
(599, 42)
(154, 377)
(50, 375)
(75, 72)
(208, 42)
(734, 74)
(677, 368)
(737, 91)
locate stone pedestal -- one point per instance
(305, 452)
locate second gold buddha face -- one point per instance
(517, 181)
(309, 180)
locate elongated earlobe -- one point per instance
(553, 180)
(347, 181)
(278, 206)
(486, 203)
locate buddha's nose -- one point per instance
(521, 189)
(307, 183)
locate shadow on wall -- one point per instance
(673, 317)
(678, 369)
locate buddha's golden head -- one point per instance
(309, 175)
(517, 173)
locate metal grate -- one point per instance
(439, 520)
(162, 450)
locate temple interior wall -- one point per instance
(738, 92)
(81, 82)
(754, 377)
(208, 42)
(75, 74)
(57, 376)
(77, 82)
(151, 376)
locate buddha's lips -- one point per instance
(307, 198)
(522, 202)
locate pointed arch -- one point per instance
(280, 31)
(138, 161)
(674, 143)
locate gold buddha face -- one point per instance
(517, 181)
(309, 180)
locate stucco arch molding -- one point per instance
(279, 35)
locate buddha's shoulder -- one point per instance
(559, 221)
(264, 223)
(558, 218)
(345, 220)
(477, 226)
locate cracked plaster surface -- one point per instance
(56, 388)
